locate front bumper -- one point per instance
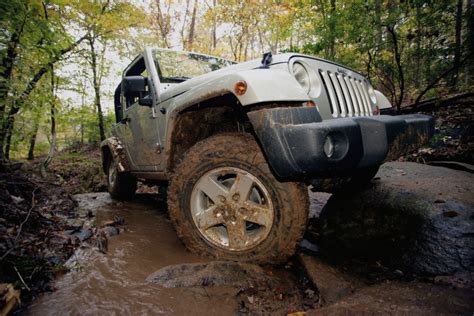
(293, 140)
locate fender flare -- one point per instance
(114, 146)
(263, 85)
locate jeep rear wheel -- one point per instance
(225, 202)
(121, 186)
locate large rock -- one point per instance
(216, 273)
(415, 217)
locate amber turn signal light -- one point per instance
(240, 87)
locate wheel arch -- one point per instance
(195, 122)
(218, 114)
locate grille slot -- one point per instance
(347, 95)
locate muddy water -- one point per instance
(114, 283)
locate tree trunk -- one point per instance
(192, 27)
(469, 42)
(98, 105)
(401, 78)
(418, 47)
(457, 49)
(6, 69)
(183, 27)
(214, 27)
(8, 144)
(332, 31)
(52, 149)
(31, 149)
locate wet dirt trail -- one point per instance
(114, 283)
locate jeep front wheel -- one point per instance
(121, 186)
(225, 202)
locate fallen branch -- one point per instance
(21, 279)
(431, 103)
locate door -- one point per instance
(138, 128)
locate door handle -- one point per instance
(125, 120)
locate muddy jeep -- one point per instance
(237, 145)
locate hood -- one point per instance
(252, 64)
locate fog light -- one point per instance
(328, 147)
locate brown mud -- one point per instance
(116, 282)
(140, 274)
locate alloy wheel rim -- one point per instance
(232, 209)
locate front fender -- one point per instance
(114, 147)
(263, 85)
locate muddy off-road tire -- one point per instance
(121, 185)
(225, 202)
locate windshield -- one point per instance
(179, 66)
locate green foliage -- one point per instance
(407, 49)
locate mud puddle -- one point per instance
(115, 282)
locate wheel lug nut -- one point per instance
(221, 198)
(236, 197)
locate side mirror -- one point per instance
(134, 84)
(137, 86)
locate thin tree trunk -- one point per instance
(457, 50)
(332, 31)
(214, 27)
(469, 42)
(47, 161)
(8, 144)
(192, 26)
(183, 27)
(31, 149)
(98, 105)
(418, 47)
(401, 78)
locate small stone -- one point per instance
(84, 234)
(119, 220)
(111, 231)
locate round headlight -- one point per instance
(372, 95)
(302, 76)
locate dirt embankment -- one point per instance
(35, 218)
(77, 172)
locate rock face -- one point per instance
(216, 273)
(414, 217)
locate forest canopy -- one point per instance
(60, 60)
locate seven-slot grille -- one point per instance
(347, 95)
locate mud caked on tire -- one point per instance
(225, 202)
(121, 185)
